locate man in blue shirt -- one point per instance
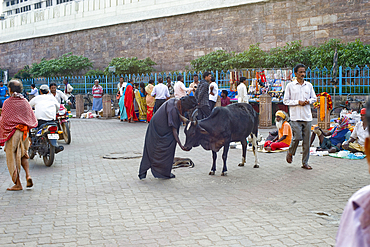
(338, 135)
(3, 93)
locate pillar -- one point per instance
(107, 106)
(79, 105)
(265, 108)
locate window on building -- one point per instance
(21, 1)
(17, 1)
(17, 11)
(49, 3)
(37, 5)
(9, 12)
(12, 2)
(7, 4)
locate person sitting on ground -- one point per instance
(355, 221)
(338, 135)
(225, 100)
(356, 143)
(284, 133)
(46, 106)
(17, 118)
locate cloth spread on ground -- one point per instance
(15, 149)
(160, 144)
(350, 156)
(16, 111)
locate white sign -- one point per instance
(112, 69)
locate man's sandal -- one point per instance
(307, 167)
(289, 157)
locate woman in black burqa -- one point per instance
(162, 136)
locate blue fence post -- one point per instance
(217, 79)
(340, 80)
(155, 79)
(85, 85)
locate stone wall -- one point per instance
(172, 42)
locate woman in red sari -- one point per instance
(129, 102)
(150, 100)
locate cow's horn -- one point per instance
(194, 115)
(183, 119)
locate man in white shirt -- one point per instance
(356, 143)
(179, 88)
(242, 91)
(46, 106)
(161, 94)
(68, 88)
(213, 93)
(59, 95)
(299, 95)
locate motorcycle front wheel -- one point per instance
(66, 133)
(49, 158)
(31, 153)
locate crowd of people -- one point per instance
(138, 102)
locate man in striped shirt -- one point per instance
(97, 92)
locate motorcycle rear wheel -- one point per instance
(49, 158)
(66, 133)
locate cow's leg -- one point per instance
(244, 148)
(214, 156)
(254, 144)
(224, 158)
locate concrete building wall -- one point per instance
(172, 42)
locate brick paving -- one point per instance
(84, 199)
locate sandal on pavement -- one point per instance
(307, 167)
(289, 157)
(29, 183)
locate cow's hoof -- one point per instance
(241, 164)
(224, 174)
(256, 166)
(211, 173)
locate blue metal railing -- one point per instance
(355, 81)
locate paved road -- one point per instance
(84, 199)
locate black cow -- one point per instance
(234, 122)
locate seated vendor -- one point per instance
(338, 135)
(284, 136)
(225, 100)
(356, 142)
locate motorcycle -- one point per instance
(72, 99)
(44, 142)
(64, 124)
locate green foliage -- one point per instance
(23, 73)
(66, 65)
(252, 58)
(212, 61)
(350, 54)
(94, 73)
(130, 66)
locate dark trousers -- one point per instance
(158, 103)
(41, 122)
(211, 105)
(301, 131)
(203, 112)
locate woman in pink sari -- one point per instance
(150, 101)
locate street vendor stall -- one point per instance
(268, 81)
